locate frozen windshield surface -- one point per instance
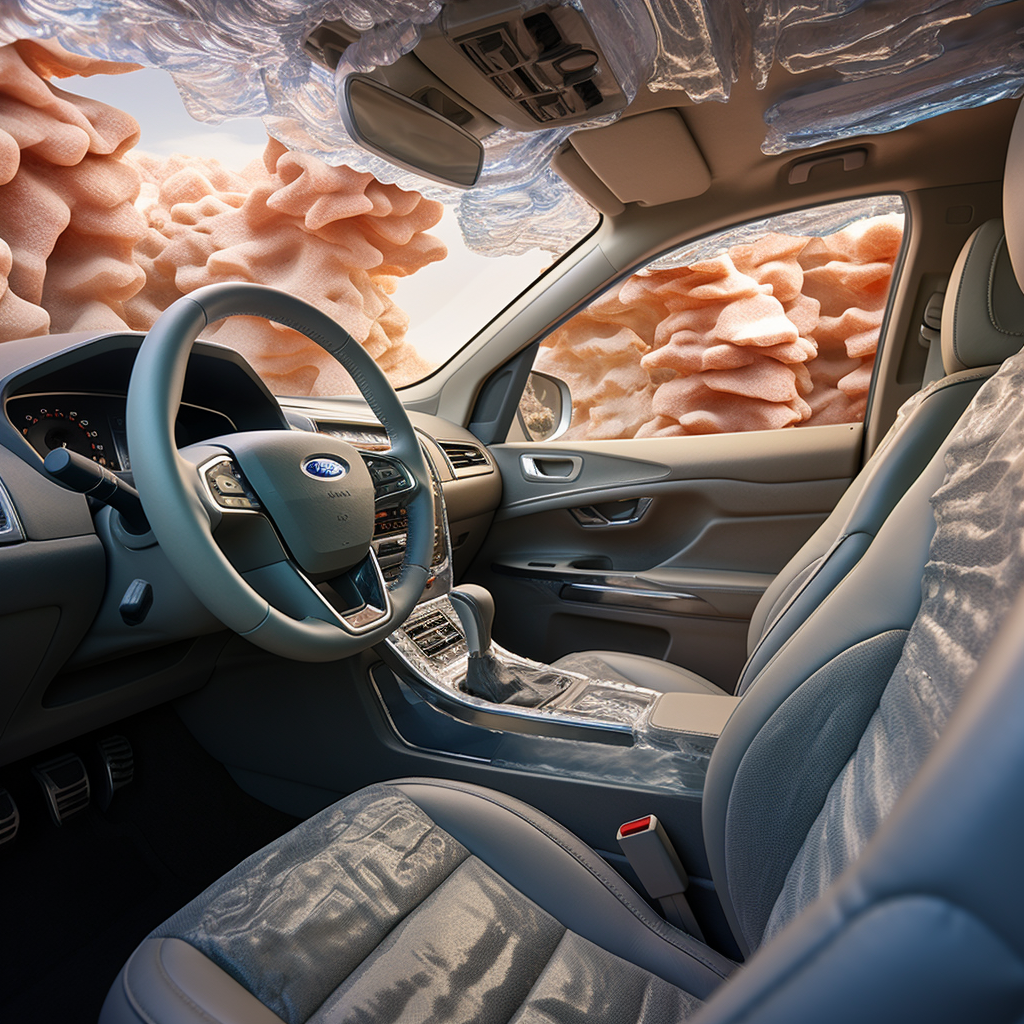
(142, 221)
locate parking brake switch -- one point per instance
(654, 859)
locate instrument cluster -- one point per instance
(93, 425)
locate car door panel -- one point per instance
(661, 547)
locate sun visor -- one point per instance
(649, 159)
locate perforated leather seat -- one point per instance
(982, 325)
(864, 832)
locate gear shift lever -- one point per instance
(486, 675)
(475, 608)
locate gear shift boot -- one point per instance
(487, 677)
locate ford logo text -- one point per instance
(324, 468)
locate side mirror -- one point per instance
(409, 134)
(545, 410)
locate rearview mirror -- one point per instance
(409, 134)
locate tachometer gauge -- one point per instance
(52, 427)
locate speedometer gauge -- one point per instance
(51, 427)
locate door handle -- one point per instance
(551, 468)
(617, 513)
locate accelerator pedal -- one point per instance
(65, 783)
(9, 817)
(118, 768)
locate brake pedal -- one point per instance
(66, 785)
(9, 817)
(118, 768)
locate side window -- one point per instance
(769, 325)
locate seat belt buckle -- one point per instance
(654, 859)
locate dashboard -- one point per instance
(72, 662)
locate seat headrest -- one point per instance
(1013, 195)
(983, 313)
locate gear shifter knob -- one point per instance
(475, 608)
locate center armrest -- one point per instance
(696, 714)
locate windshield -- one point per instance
(149, 212)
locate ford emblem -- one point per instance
(324, 468)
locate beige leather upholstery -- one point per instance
(983, 313)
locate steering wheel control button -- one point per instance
(387, 477)
(228, 487)
(325, 468)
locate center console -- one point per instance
(576, 725)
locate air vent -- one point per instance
(466, 459)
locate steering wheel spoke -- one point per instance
(357, 601)
(227, 487)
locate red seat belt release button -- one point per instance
(654, 859)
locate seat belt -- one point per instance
(654, 859)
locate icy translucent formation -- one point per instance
(67, 218)
(778, 332)
(336, 237)
(895, 63)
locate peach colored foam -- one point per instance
(95, 237)
(334, 236)
(778, 333)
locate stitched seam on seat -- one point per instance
(991, 290)
(133, 999)
(943, 383)
(419, 906)
(174, 989)
(607, 883)
(543, 970)
(741, 689)
(399, 921)
(956, 305)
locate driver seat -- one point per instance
(858, 817)
(982, 325)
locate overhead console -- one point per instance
(522, 68)
(481, 65)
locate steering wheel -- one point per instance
(297, 507)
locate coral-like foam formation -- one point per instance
(66, 198)
(76, 253)
(778, 333)
(334, 236)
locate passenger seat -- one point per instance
(982, 325)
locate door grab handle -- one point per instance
(588, 515)
(551, 468)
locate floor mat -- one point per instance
(78, 899)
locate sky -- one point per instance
(447, 302)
